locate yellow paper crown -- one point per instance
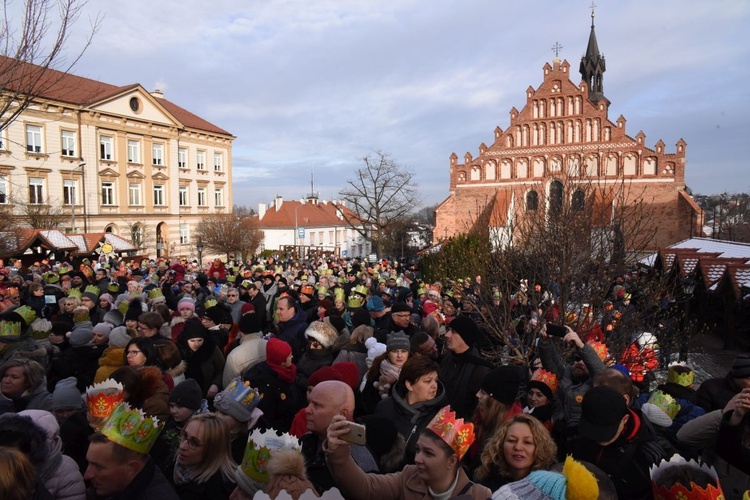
(74, 293)
(665, 403)
(260, 447)
(92, 289)
(355, 301)
(322, 290)
(27, 314)
(683, 379)
(360, 289)
(51, 277)
(687, 492)
(456, 434)
(547, 378)
(339, 294)
(131, 428)
(209, 304)
(155, 293)
(10, 329)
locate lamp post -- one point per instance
(200, 248)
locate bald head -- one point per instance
(327, 399)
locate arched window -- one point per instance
(532, 201)
(555, 197)
(578, 203)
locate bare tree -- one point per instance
(33, 39)
(10, 239)
(228, 234)
(38, 215)
(243, 211)
(381, 192)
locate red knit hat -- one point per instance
(349, 373)
(277, 351)
(247, 307)
(322, 375)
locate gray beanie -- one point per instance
(103, 329)
(66, 395)
(119, 337)
(113, 317)
(82, 334)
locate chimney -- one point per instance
(277, 202)
(158, 94)
(261, 211)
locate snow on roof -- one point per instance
(722, 249)
(118, 243)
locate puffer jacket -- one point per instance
(112, 358)
(59, 473)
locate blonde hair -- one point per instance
(17, 475)
(493, 456)
(217, 454)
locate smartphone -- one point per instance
(357, 434)
(50, 299)
(556, 330)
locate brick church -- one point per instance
(560, 140)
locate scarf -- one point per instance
(389, 374)
(285, 373)
(182, 474)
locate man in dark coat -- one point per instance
(715, 393)
(292, 325)
(462, 369)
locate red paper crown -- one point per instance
(547, 378)
(102, 398)
(691, 491)
(456, 434)
(600, 349)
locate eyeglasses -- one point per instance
(192, 443)
(133, 353)
(232, 295)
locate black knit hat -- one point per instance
(135, 309)
(187, 394)
(249, 323)
(194, 329)
(400, 307)
(215, 314)
(466, 328)
(502, 383)
(602, 411)
(741, 367)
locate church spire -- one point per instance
(593, 66)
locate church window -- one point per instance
(630, 164)
(522, 169)
(578, 202)
(649, 166)
(505, 169)
(555, 197)
(532, 201)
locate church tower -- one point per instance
(593, 67)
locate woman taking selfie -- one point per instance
(436, 472)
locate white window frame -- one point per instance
(134, 194)
(183, 197)
(157, 154)
(219, 197)
(34, 142)
(182, 158)
(218, 162)
(2, 140)
(134, 151)
(108, 193)
(200, 160)
(184, 233)
(3, 190)
(68, 143)
(159, 195)
(70, 192)
(106, 147)
(201, 197)
(36, 191)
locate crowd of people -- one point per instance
(335, 378)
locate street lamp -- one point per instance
(200, 248)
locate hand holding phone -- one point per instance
(556, 330)
(357, 434)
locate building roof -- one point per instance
(298, 214)
(72, 89)
(53, 239)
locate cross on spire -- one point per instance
(593, 7)
(556, 48)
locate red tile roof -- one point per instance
(307, 214)
(64, 87)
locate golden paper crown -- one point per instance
(665, 403)
(360, 289)
(685, 492)
(74, 293)
(456, 434)
(339, 294)
(322, 290)
(155, 293)
(131, 428)
(260, 447)
(547, 378)
(27, 314)
(683, 379)
(10, 329)
(355, 301)
(231, 278)
(103, 397)
(209, 304)
(92, 289)
(600, 349)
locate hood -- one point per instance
(48, 423)
(417, 409)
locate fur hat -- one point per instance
(322, 332)
(287, 473)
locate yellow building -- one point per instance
(116, 159)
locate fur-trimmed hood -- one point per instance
(177, 370)
(152, 381)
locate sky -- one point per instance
(313, 86)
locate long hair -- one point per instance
(217, 454)
(17, 475)
(493, 455)
(488, 417)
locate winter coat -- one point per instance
(39, 399)
(206, 365)
(216, 488)
(74, 433)
(354, 483)
(357, 354)
(318, 471)
(80, 362)
(110, 360)
(154, 393)
(250, 352)
(570, 390)
(410, 420)
(715, 393)
(280, 401)
(293, 333)
(309, 363)
(462, 375)
(149, 484)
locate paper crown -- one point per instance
(355, 301)
(339, 294)
(11, 292)
(322, 290)
(92, 289)
(27, 314)
(113, 287)
(360, 289)
(303, 277)
(692, 491)
(123, 307)
(600, 349)
(665, 403)
(242, 393)
(231, 278)
(101, 400)
(547, 378)
(422, 291)
(74, 293)
(685, 379)
(10, 329)
(131, 428)
(246, 283)
(209, 304)
(260, 447)
(50, 277)
(456, 434)
(155, 294)
(307, 290)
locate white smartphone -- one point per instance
(357, 434)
